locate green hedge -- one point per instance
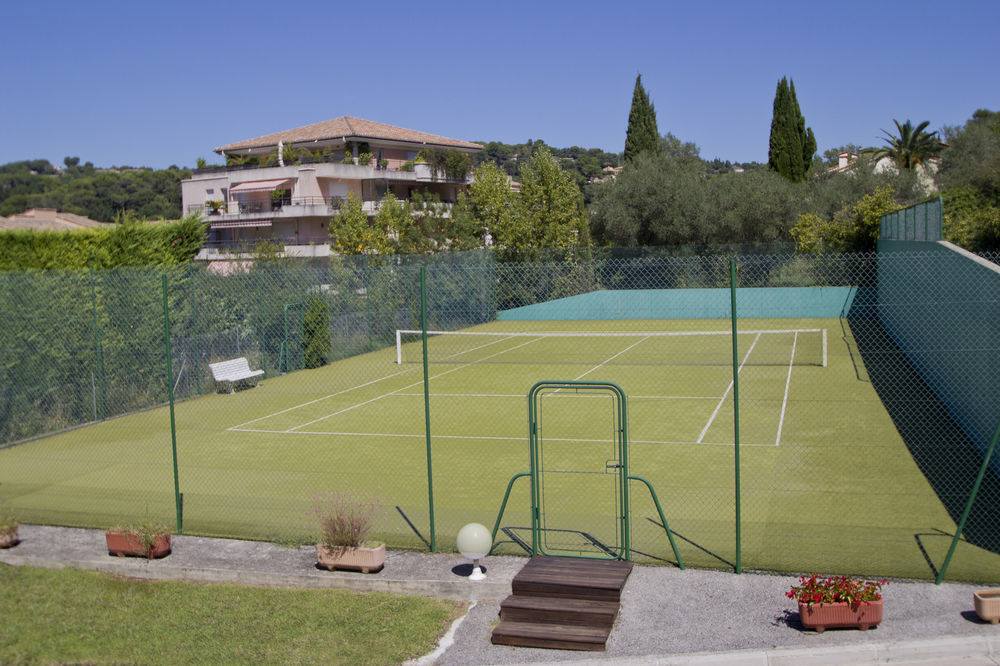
(128, 244)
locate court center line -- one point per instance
(612, 358)
(403, 388)
(788, 382)
(728, 389)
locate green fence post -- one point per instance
(97, 345)
(736, 412)
(968, 506)
(170, 394)
(427, 399)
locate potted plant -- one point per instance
(278, 198)
(987, 605)
(213, 206)
(838, 601)
(8, 527)
(147, 539)
(345, 519)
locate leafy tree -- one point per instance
(657, 200)
(550, 208)
(316, 330)
(351, 232)
(642, 134)
(792, 145)
(394, 223)
(910, 146)
(854, 228)
(488, 206)
(972, 157)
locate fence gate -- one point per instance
(579, 469)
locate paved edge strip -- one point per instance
(936, 650)
(159, 570)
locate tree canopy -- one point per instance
(547, 213)
(100, 194)
(642, 134)
(910, 145)
(792, 144)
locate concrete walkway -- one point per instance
(668, 616)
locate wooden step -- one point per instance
(558, 636)
(598, 580)
(583, 612)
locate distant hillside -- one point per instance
(585, 164)
(100, 194)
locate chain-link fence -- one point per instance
(859, 388)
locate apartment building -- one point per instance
(286, 187)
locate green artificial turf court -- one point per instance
(827, 484)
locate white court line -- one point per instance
(348, 390)
(524, 396)
(788, 381)
(312, 402)
(484, 437)
(596, 367)
(728, 389)
(403, 388)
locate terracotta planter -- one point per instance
(125, 544)
(840, 614)
(361, 558)
(987, 605)
(9, 539)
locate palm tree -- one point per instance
(913, 146)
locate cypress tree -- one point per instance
(792, 144)
(642, 133)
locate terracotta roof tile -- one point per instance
(350, 128)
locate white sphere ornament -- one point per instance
(474, 542)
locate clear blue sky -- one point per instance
(161, 83)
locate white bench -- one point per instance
(234, 373)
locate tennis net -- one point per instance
(807, 346)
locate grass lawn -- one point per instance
(827, 482)
(66, 615)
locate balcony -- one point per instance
(420, 172)
(289, 208)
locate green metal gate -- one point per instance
(579, 469)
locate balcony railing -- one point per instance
(333, 206)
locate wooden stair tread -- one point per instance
(563, 603)
(523, 608)
(564, 636)
(573, 578)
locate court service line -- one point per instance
(522, 396)
(728, 389)
(788, 382)
(312, 402)
(487, 437)
(403, 388)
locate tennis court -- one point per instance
(822, 464)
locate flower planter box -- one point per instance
(987, 605)
(360, 558)
(8, 539)
(125, 544)
(820, 617)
